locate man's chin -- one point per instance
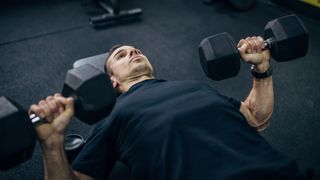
(141, 70)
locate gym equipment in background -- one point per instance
(240, 5)
(113, 13)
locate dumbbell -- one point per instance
(94, 98)
(286, 38)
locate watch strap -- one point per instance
(259, 75)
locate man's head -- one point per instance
(126, 64)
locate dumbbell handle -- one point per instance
(267, 43)
(36, 119)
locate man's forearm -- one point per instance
(56, 164)
(260, 101)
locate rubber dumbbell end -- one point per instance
(18, 136)
(288, 37)
(219, 56)
(93, 93)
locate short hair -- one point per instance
(111, 50)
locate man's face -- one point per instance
(128, 63)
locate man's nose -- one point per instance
(133, 52)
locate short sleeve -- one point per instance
(98, 156)
(235, 102)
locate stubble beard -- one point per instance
(141, 69)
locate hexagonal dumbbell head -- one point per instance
(289, 38)
(93, 93)
(219, 56)
(17, 134)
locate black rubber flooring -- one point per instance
(40, 40)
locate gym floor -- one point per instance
(40, 40)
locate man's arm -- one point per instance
(57, 167)
(58, 112)
(258, 106)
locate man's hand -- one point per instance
(252, 50)
(57, 111)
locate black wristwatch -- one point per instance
(259, 75)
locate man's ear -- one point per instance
(114, 82)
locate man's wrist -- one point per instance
(262, 72)
(53, 144)
(262, 67)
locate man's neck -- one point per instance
(125, 86)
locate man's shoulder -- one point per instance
(187, 82)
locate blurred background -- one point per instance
(41, 39)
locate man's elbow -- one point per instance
(259, 119)
(264, 126)
(262, 120)
(262, 116)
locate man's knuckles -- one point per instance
(36, 109)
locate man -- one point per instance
(171, 130)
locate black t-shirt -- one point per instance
(181, 130)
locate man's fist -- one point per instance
(57, 111)
(252, 50)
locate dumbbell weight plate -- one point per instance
(93, 93)
(289, 38)
(219, 56)
(17, 135)
(73, 143)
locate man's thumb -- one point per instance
(242, 49)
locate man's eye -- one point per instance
(120, 56)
